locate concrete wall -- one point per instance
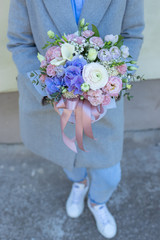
(148, 62)
(7, 69)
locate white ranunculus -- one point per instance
(125, 51)
(67, 51)
(40, 57)
(111, 38)
(95, 75)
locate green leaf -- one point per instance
(64, 38)
(95, 30)
(119, 44)
(32, 75)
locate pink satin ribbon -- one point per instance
(83, 111)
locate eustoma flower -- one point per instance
(122, 69)
(125, 51)
(53, 53)
(97, 41)
(87, 33)
(104, 55)
(95, 75)
(95, 97)
(113, 87)
(115, 52)
(111, 38)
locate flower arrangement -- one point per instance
(82, 72)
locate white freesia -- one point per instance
(67, 51)
(95, 75)
(40, 57)
(111, 38)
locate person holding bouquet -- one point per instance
(40, 130)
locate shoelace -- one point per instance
(103, 214)
(77, 191)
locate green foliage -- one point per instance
(95, 30)
(128, 96)
(119, 43)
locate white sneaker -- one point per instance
(75, 201)
(104, 220)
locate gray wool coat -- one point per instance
(29, 21)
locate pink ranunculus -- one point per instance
(122, 69)
(51, 70)
(87, 33)
(96, 41)
(42, 78)
(114, 86)
(107, 100)
(43, 64)
(95, 97)
(53, 52)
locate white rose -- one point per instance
(111, 38)
(125, 51)
(95, 75)
(67, 51)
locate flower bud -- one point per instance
(128, 86)
(82, 22)
(85, 87)
(64, 90)
(131, 68)
(85, 28)
(92, 54)
(133, 62)
(40, 57)
(51, 34)
(81, 97)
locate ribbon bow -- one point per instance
(83, 111)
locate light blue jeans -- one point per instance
(104, 181)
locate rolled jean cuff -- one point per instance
(93, 201)
(78, 180)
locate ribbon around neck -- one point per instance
(83, 112)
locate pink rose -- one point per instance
(107, 100)
(51, 70)
(53, 52)
(96, 41)
(42, 78)
(95, 97)
(114, 86)
(122, 69)
(87, 33)
(43, 64)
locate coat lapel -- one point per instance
(94, 10)
(62, 14)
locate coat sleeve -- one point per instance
(21, 43)
(133, 25)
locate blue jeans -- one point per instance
(104, 181)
